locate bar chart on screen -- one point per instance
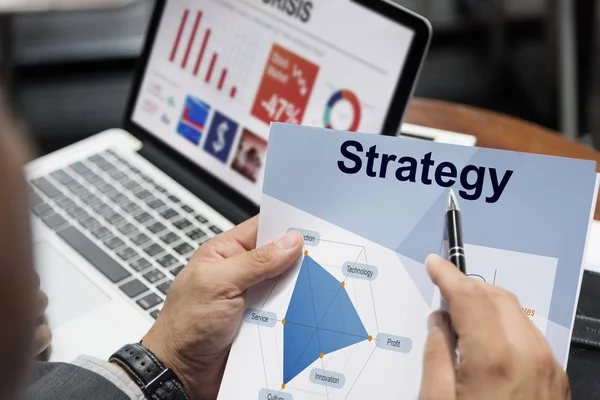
(213, 55)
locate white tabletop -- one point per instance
(21, 6)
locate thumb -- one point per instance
(255, 266)
(438, 382)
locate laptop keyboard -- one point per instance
(125, 224)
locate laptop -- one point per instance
(117, 216)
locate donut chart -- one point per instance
(350, 97)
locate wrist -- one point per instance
(142, 366)
(167, 355)
(201, 376)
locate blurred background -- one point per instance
(70, 70)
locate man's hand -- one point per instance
(205, 305)
(503, 355)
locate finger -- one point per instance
(244, 234)
(42, 339)
(41, 303)
(438, 380)
(255, 266)
(444, 275)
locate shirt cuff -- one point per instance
(113, 374)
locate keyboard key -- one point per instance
(46, 187)
(116, 174)
(154, 314)
(146, 178)
(90, 223)
(187, 209)
(201, 219)
(97, 158)
(65, 203)
(113, 218)
(143, 194)
(34, 199)
(164, 287)
(131, 207)
(91, 199)
(167, 261)
(54, 221)
(82, 217)
(92, 177)
(169, 214)
(131, 185)
(176, 271)
(140, 265)
(156, 227)
(96, 256)
(113, 242)
(99, 183)
(100, 233)
(196, 234)
(153, 250)
(183, 248)
(118, 197)
(61, 176)
(127, 254)
(155, 204)
(127, 229)
(182, 224)
(106, 166)
(101, 208)
(154, 276)
(80, 168)
(160, 189)
(76, 211)
(149, 301)
(134, 170)
(106, 188)
(174, 199)
(140, 239)
(143, 217)
(134, 288)
(42, 210)
(76, 188)
(170, 238)
(82, 192)
(215, 229)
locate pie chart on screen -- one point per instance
(343, 111)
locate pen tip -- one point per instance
(452, 202)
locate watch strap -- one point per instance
(152, 377)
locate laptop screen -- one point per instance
(221, 70)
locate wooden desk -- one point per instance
(498, 131)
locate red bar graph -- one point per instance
(211, 68)
(178, 48)
(202, 50)
(223, 77)
(191, 41)
(179, 33)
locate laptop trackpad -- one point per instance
(71, 295)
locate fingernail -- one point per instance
(289, 241)
(438, 321)
(432, 258)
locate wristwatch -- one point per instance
(153, 378)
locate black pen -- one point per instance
(456, 248)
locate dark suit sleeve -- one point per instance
(57, 381)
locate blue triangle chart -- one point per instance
(320, 319)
